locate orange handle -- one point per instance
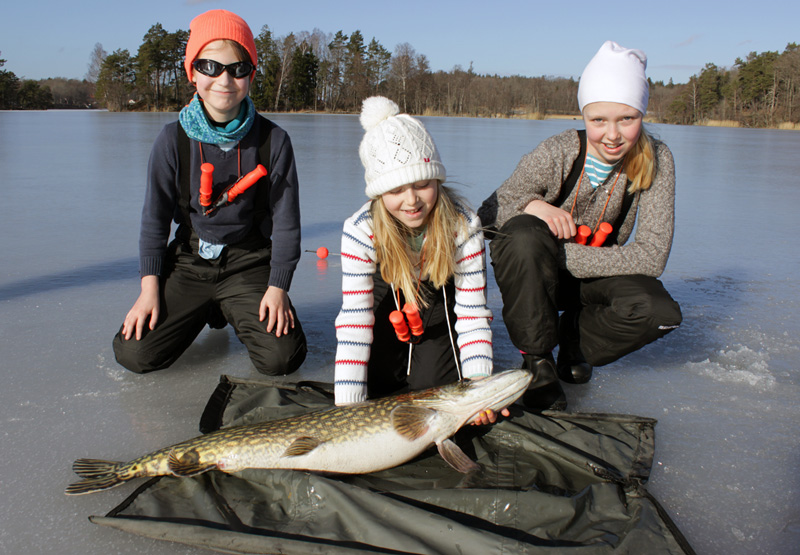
(601, 234)
(206, 183)
(414, 320)
(583, 234)
(246, 182)
(400, 327)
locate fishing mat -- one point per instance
(549, 483)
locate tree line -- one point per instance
(324, 72)
(758, 91)
(29, 94)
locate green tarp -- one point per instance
(550, 483)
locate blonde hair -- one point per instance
(639, 163)
(438, 254)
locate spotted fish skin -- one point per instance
(353, 439)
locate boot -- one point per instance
(572, 366)
(544, 392)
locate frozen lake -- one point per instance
(724, 387)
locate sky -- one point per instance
(533, 38)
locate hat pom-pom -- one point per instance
(375, 109)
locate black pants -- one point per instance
(616, 315)
(235, 282)
(433, 362)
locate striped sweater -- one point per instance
(354, 324)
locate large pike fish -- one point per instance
(355, 439)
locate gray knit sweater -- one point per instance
(540, 174)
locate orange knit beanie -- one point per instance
(218, 25)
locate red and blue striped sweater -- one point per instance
(354, 324)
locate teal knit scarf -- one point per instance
(194, 121)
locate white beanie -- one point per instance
(396, 149)
(615, 74)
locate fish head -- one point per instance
(467, 397)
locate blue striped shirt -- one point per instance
(597, 171)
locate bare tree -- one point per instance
(402, 70)
(334, 67)
(286, 49)
(419, 80)
(319, 47)
(95, 62)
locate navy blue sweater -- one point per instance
(231, 223)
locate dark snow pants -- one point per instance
(433, 361)
(235, 282)
(615, 315)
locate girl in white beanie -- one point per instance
(413, 247)
(613, 173)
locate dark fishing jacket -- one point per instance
(271, 207)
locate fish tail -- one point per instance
(90, 485)
(98, 475)
(95, 468)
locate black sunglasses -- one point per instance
(237, 70)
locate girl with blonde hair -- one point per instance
(613, 175)
(414, 311)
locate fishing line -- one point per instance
(582, 235)
(450, 332)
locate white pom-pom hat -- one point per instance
(615, 74)
(396, 149)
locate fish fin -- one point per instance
(301, 446)
(455, 457)
(99, 483)
(412, 422)
(94, 468)
(188, 464)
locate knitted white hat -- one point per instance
(615, 74)
(396, 149)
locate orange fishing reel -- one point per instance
(599, 237)
(230, 194)
(407, 324)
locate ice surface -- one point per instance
(724, 387)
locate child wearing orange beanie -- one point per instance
(216, 24)
(235, 249)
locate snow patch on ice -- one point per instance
(738, 365)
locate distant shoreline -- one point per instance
(577, 117)
(428, 113)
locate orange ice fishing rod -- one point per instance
(599, 237)
(407, 323)
(400, 326)
(414, 320)
(584, 232)
(206, 184)
(234, 190)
